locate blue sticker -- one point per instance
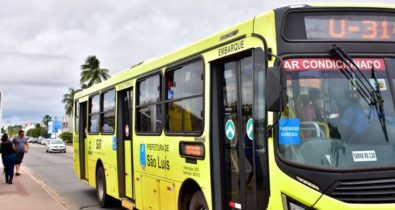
(289, 131)
(114, 143)
(142, 155)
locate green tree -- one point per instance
(13, 130)
(43, 132)
(91, 73)
(29, 132)
(66, 137)
(68, 100)
(46, 120)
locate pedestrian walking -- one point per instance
(8, 156)
(21, 147)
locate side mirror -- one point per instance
(275, 92)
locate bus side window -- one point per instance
(94, 114)
(148, 105)
(108, 112)
(184, 100)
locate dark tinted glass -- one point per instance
(149, 90)
(94, 123)
(109, 101)
(95, 104)
(185, 115)
(186, 81)
(108, 122)
(149, 118)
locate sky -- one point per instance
(44, 42)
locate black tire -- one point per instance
(198, 202)
(101, 191)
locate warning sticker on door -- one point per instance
(230, 129)
(289, 131)
(250, 129)
(364, 156)
(114, 143)
(143, 161)
(381, 83)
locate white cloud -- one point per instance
(44, 42)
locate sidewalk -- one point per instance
(27, 192)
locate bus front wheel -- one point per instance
(198, 202)
(101, 188)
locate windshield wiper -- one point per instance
(366, 91)
(379, 105)
(354, 79)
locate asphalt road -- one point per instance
(55, 170)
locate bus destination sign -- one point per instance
(350, 27)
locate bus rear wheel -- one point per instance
(198, 202)
(101, 192)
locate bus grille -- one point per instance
(366, 191)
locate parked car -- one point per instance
(56, 145)
(32, 140)
(45, 141)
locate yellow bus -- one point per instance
(292, 109)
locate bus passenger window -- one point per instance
(108, 114)
(184, 104)
(148, 111)
(94, 113)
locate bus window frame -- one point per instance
(90, 113)
(102, 112)
(335, 10)
(176, 67)
(137, 98)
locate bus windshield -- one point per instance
(329, 122)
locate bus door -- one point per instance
(240, 172)
(124, 143)
(83, 151)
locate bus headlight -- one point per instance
(291, 204)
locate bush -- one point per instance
(67, 137)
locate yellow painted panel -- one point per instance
(154, 155)
(124, 85)
(167, 196)
(128, 169)
(139, 190)
(282, 183)
(150, 193)
(76, 156)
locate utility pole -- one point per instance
(54, 124)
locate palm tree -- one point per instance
(68, 100)
(92, 73)
(46, 120)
